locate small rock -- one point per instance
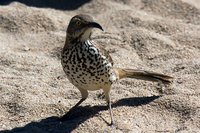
(26, 49)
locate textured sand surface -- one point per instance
(156, 35)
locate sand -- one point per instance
(156, 35)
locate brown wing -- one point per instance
(104, 52)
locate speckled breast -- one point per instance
(86, 67)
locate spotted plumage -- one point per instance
(88, 66)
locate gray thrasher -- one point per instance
(89, 67)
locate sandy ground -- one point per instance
(156, 35)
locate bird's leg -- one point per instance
(107, 96)
(84, 94)
(111, 114)
(78, 103)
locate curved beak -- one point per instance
(95, 25)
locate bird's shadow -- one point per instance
(79, 115)
(55, 4)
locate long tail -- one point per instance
(143, 75)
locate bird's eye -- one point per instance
(78, 22)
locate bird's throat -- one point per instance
(85, 35)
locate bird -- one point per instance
(89, 67)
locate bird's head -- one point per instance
(80, 27)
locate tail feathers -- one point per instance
(143, 75)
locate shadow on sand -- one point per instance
(79, 115)
(55, 4)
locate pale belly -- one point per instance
(89, 79)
